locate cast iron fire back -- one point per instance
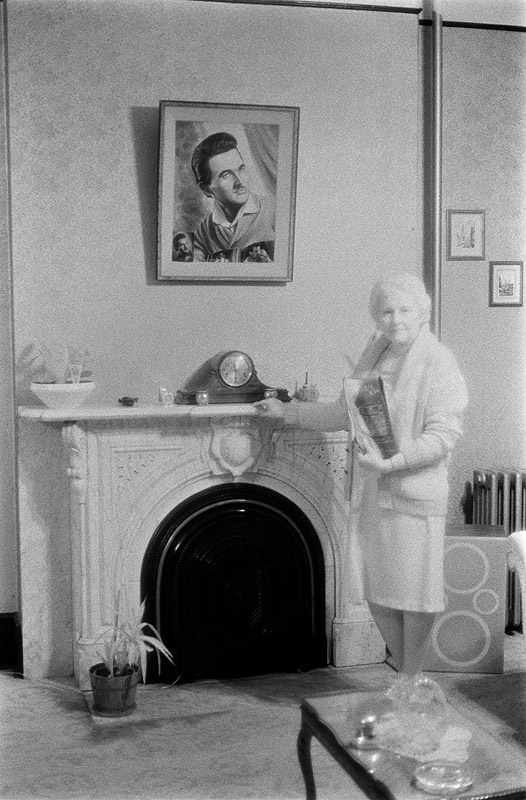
(234, 581)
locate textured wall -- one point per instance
(485, 168)
(85, 83)
(8, 552)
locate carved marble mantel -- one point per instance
(127, 469)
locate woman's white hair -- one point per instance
(400, 282)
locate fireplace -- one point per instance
(234, 531)
(234, 581)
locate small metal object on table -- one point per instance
(499, 772)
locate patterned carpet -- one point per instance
(211, 740)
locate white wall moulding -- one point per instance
(485, 12)
(127, 474)
(509, 13)
(393, 6)
(437, 172)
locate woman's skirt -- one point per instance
(402, 558)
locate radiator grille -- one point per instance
(499, 498)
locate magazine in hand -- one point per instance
(367, 407)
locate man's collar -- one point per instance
(251, 206)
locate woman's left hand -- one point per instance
(374, 463)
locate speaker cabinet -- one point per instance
(468, 636)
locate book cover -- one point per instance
(369, 414)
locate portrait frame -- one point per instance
(465, 235)
(505, 283)
(261, 247)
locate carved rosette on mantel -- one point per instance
(235, 446)
(130, 468)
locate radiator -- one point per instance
(499, 498)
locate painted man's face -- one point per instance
(229, 180)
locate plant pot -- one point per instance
(113, 695)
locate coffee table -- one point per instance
(498, 771)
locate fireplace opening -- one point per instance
(234, 581)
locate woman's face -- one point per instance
(399, 317)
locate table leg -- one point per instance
(304, 755)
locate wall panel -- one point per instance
(8, 522)
(485, 168)
(85, 81)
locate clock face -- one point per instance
(235, 369)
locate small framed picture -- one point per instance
(465, 235)
(227, 192)
(505, 283)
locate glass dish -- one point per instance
(442, 778)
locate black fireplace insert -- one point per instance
(234, 580)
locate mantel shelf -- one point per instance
(109, 412)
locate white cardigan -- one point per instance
(426, 406)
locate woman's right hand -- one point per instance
(270, 407)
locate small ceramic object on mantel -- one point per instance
(308, 393)
(166, 398)
(128, 402)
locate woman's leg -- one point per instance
(417, 627)
(390, 623)
(406, 634)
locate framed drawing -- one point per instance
(227, 192)
(505, 283)
(465, 235)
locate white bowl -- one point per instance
(63, 395)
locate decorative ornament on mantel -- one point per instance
(308, 393)
(59, 376)
(236, 446)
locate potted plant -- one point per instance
(123, 649)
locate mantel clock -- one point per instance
(228, 377)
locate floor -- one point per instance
(210, 740)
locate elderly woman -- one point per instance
(400, 502)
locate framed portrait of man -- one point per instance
(227, 192)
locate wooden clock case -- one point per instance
(206, 379)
